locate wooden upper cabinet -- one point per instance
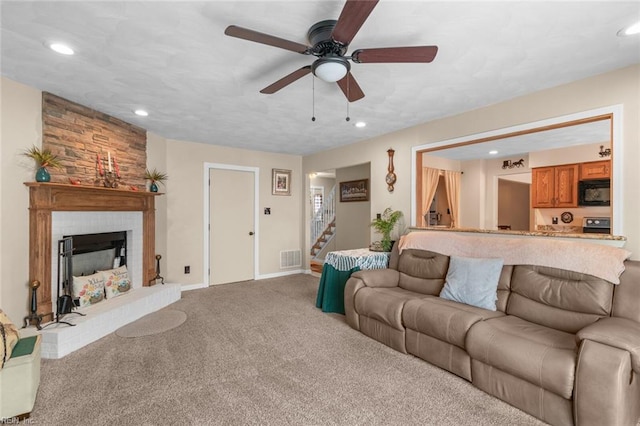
(542, 187)
(595, 170)
(567, 185)
(555, 186)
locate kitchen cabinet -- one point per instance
(555, 186)
(595, 170)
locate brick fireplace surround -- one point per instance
(59, 340)
(45, 198)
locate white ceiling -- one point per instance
(173, 59)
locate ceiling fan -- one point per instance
(329, 41)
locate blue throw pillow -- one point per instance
(473, 281)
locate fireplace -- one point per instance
(99, 240)
(109, 210)
(59, 210)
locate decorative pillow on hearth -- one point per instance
(473, 281)
(89, 289)
(8, 338)
(116, 281)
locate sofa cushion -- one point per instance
(422, 271)
(384, 304)
(473, 281)
(559, 299)
(443, 319)
(540, 355)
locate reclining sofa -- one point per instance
(563, 343)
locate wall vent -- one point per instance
(290, 258)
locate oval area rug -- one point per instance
(153, 323)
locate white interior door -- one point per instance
(231, 219)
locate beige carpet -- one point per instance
(257, 353)
(154, 323)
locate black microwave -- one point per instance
(596, 192)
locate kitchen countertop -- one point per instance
(555, 234)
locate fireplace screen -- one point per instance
(83, 255)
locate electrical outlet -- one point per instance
(187, 269)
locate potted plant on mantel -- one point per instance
(44, 158)
(384, 224)
(155, 176)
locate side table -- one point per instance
(338, 267)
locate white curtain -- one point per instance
(429, 186)
(452, 183)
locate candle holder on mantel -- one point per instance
(105, 174)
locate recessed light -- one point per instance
(630, 30)
(361, 124)
(493, 152)
(63, 49)
(141, 112)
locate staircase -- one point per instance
(323, 224)
(323, 238)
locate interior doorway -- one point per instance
(514, 202)
(232, 241)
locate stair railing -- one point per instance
(323, 217)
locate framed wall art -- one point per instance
(281, 182)
(354, 190)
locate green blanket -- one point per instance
(24, 346)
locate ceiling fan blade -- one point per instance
(353, 15)
(350, 88)
(287, 80)
(246, 34)
(395, 54)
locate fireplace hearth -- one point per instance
(57, 210)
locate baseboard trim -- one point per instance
(280, 274)
(189, 287)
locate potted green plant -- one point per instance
(155, 176)
(384, 224)
(44, 158)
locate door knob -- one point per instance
(250, 232)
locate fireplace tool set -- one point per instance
(64, 303)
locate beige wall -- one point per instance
(568, 155)
(185, 232)
(21, 118)
(617, 87)
(352, 218)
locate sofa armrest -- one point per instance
(378, 277)
(619, 333)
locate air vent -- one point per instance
(290, 258)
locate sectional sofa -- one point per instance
(558, 333)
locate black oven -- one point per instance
(596, 192)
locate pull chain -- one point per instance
(313, 99)
(348, 93)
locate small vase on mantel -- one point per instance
(42, 175)
(153, 187)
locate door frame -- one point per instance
(206, 272)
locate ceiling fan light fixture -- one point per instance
(330, 68)
(630, 30)
(61, 48)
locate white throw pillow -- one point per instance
(116, 281)
(473, 281)
(89, 289)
